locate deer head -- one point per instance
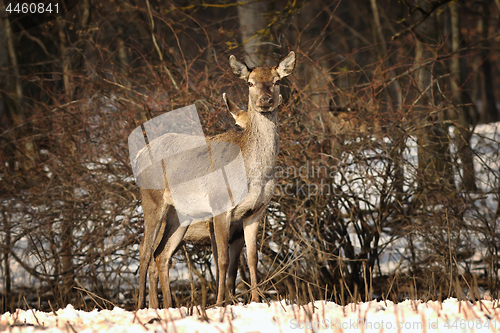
(240, 116)
(263, 82)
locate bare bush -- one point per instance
(387, 185)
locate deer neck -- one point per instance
(262, 140)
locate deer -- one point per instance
(229, 231)
(239, 115)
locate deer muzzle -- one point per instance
(266, 101)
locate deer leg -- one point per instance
(214, 253)
(154, 302)
(153, 216)
(250, 229)
(146, 256)
(153, 285)
(234, 259)
(169, 245)
(221, 232)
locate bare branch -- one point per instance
(435, 5)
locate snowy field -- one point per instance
(408, 316)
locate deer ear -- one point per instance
(240, 69)
(286, 65)
(233, 108)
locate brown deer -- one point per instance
(228, 231)
(239, 115)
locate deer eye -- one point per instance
(250, 84)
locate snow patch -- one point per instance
(320, 316)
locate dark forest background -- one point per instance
(385, 106)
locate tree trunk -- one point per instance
(490, 111)
(122, 61)
(252, 20)
(12, 96)
(12, 81)
(311, 22)
(462, 118)
(64, 59)
(394, 102)
(67, 225)
(393, 89)
(6, 260)
(67, 257)
(435, 173)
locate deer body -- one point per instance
(229, 231)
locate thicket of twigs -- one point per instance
(384, 190)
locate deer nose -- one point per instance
(266, 100)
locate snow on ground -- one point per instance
(408, 316)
